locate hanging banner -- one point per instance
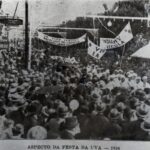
(124, 37)
(59, 41)
(94, 50)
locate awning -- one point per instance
(143, 52)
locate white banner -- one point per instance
(94, 50)
(124, 37)
(59, 41)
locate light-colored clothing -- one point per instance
(146, 85)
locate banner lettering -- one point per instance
(94, 50)
(124, 37)
(59, 41)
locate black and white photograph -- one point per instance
(75, 70)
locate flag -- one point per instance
(94, 50)
(124, 37)
(115, 7)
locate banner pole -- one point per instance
(122, 56)
(26, 35)
(30, 49)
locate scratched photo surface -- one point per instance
(75, 70)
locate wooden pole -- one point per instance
(30, 48)
(122, 56)
(26, 35)
(119, 17)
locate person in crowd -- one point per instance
(71, 128)
(145, 83)
(35, 104)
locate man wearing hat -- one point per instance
(61, 114)
(138, 83)
(134, 127)
(144, 133)
(145, 83)
(141, 95)
(83, 116)
(110, 85)
(96, 89)
(99, 123)
(17, 115)
(53, 129)
(32, 115)
(131, 81)
(132, 104)
(71, 128)
(123, 82)
(121, 107)
(114, 129)
(18, 132)
(99, 73)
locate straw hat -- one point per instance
(121, 106)
(114, 114)
(142, 111)
(37, 132)
(145, 125)
(16, 98)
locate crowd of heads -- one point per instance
(72, 101)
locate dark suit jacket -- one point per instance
(99, 125)
(66, 135)
(130, 129)
(85, 126)
(17, 116)
(114, 131)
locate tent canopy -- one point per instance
(143, 52)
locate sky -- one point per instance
(54, 12)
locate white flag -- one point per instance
(94, 50)
(124, 37)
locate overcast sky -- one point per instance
(53, 12)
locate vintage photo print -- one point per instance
(75, 70)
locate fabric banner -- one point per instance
(59, 41)
(124, 37)
(94, 50)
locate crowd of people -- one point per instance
(57, 100)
